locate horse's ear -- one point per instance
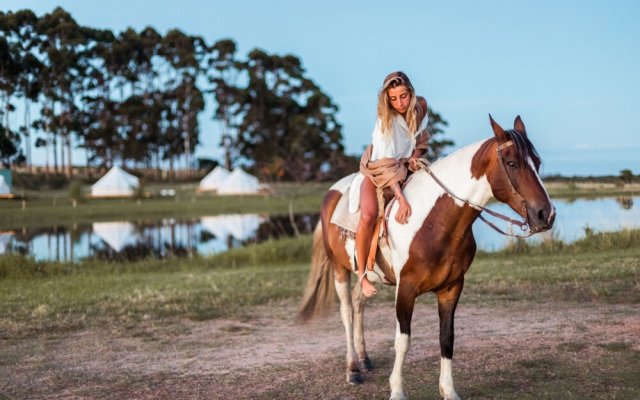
(518, 125)
(498, 131)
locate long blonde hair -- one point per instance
(386, 113)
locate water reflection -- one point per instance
(131, 240)
(5, 238)
(116, 234)
(127, 241)
(626, 202)
(573, 219)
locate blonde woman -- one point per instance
(399, 138)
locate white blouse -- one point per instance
(400, 144)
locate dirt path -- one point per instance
(270, 356)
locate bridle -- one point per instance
(424, 164)
(525, 214)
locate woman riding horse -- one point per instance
(433, 250)
(399, 136)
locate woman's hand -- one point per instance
(414, 164)
(404, 211)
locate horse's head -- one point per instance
(513, 176)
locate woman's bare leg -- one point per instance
(364, 233)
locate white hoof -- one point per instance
(397, 396)
(449, 394)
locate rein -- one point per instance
(424, 164)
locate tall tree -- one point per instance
(97, 114)
(20, 30)
(181, 52)
(9, 75)
(150, 41)
(287, 126)
(61, 76)
(223, 73)
(437, 144)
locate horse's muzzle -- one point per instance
(542, 218)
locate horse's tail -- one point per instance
(319, 295)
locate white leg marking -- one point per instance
(446, 380)
(403, 341)
(346, 313)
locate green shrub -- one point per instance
(282, 251)
(75, 191)
(592, 241)
(40, 181)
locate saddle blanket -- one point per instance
(342, 217)
(348, 221)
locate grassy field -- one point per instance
(44, 296)
(577, 189)
(161, 301)
(38, 297)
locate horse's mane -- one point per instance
(524, 146)
(458, 166)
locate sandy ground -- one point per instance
(250, 358)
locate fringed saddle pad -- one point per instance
(348, 222)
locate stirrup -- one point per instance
(366, 271)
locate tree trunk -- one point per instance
(46, 144)
(27, 133)
(54, 151)
(292, 220)
(69, 158)
(7, 129)
(54, 141)
(62, 146)
(88, 166)
(226, 143)
(68, 139)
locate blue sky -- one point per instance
(570, 69)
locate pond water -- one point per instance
(130, 240)
(573, 219)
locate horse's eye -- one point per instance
(512, 164)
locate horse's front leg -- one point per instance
(342, 282)
(405, 301)
(447, 302)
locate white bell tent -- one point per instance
(214, 179)
(115, 183)
(240, 182)
(5, 190)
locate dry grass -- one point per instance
(536, 325)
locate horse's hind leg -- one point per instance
(342, 282)
(447, 302)
(359, 302)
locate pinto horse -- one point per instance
(433, 251)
